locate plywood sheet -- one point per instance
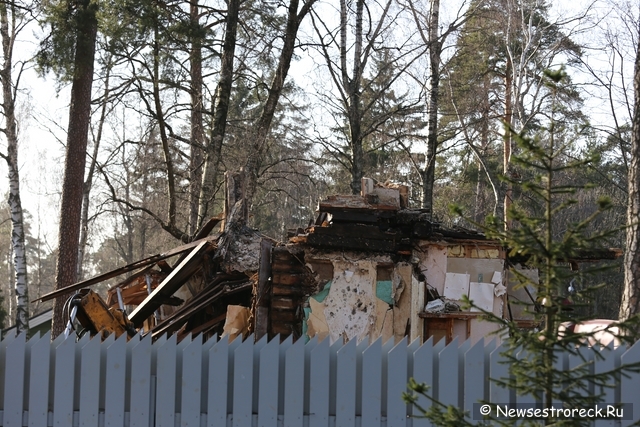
(482, 296)
(434, 266)
(456, 286)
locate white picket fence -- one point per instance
(247, 384)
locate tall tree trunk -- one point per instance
(435, 49)
(508, 139)
(197, 130)
(15, 205)
(213, 149)
(630, 305)
(88, 183)
(259, 136)
(76, 153)
(353, 87)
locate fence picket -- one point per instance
(190, 383)
(319, 380)
(90, 383)
(166, 383)
(115, 383)
(294, 385)
(141, 405)
(218, 377)
(346, 385)
(269, 374)
(498, 369)
(448, 378)
(372, 384)
(423, 374)
(474, 376)
(264, 384)
(629, 383)
(14, 381)
(39, 381)
(64, 381)
(243, 383)
(396, 384)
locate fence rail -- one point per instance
(247, 384)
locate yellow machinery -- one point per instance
(95, 317)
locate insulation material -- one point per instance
(456, 286)
(402, 281)
(317, 323)
(384, 291)
(384, 322)
(350, 306)
(237, 323)
(482, 296)
(497, 277)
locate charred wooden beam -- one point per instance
(127, 268)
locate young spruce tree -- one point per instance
(543, 158)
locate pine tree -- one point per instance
(533, 237)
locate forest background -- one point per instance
(399, 90)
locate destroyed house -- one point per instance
(370, 267)
(367, 267)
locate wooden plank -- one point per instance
(355, 230)
(166, 383)
(125, 269)
(169, 285)
(14, 365)
(283, 303)
(267, 396)
(346, 385)
(218, 378)
(140, 414)
(294, 385)
(319, 379)
(261, 324)
(358, 243)
(115, 383)
(243, 384)
(64, 381)
(39, 381)
(191, 376)
(397, 380)
(289, 279)
(372, 384)
(90, 383)
(289, 291)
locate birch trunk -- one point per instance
(75, 158)
(15, 206)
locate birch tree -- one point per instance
(12, 21)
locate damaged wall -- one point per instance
(362, 296)
(476, 271)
